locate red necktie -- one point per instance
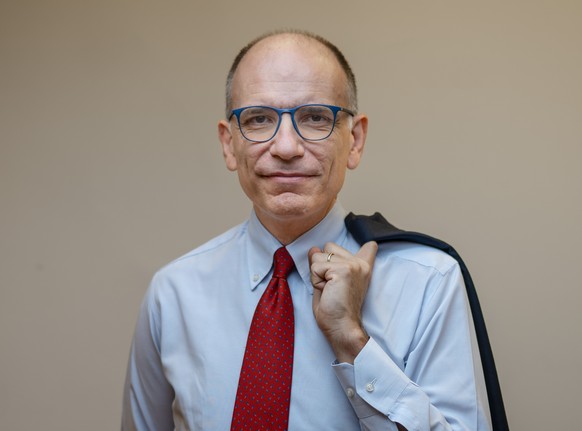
(264, 386)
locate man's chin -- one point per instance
(288, 205)
(294, 206)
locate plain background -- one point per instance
(110, 167)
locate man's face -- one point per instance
(287, 178)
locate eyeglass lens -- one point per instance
(313, 122)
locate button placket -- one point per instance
(350, 392)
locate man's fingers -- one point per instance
(368, 252)
(312, 251)
(322, 261)
(317, 275)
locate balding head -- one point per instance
(321, 44)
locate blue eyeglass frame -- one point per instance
(290, 111)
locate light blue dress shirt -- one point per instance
(421, 366)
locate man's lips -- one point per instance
(287, 179)
(286, 174)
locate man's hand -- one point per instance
(340, 282)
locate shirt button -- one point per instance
(370, 387)
(350, 392)
(255, 277)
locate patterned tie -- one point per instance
(264, 386)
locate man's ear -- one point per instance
(359, 133)
(225, 137)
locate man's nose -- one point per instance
(287, 143)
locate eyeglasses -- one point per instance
(313, 122)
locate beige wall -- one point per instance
(110, 167)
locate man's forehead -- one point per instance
(280, 41)
(289, 64)
(289, 49)
(289, 93)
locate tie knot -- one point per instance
(283, 263)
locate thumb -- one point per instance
(368, 252)
(316, 298)
(311, 252)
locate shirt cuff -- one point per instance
(374, 383)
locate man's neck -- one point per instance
(288, 228)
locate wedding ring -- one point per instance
(329, 257)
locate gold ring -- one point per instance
(329, 257)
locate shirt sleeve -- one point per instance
(148, 397)
(441, 386)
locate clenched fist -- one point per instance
(340, 280)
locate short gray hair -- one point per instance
(351, 88)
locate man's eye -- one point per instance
(314, 119)
(259, 119)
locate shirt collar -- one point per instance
(261, 245)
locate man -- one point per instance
(380, 339)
